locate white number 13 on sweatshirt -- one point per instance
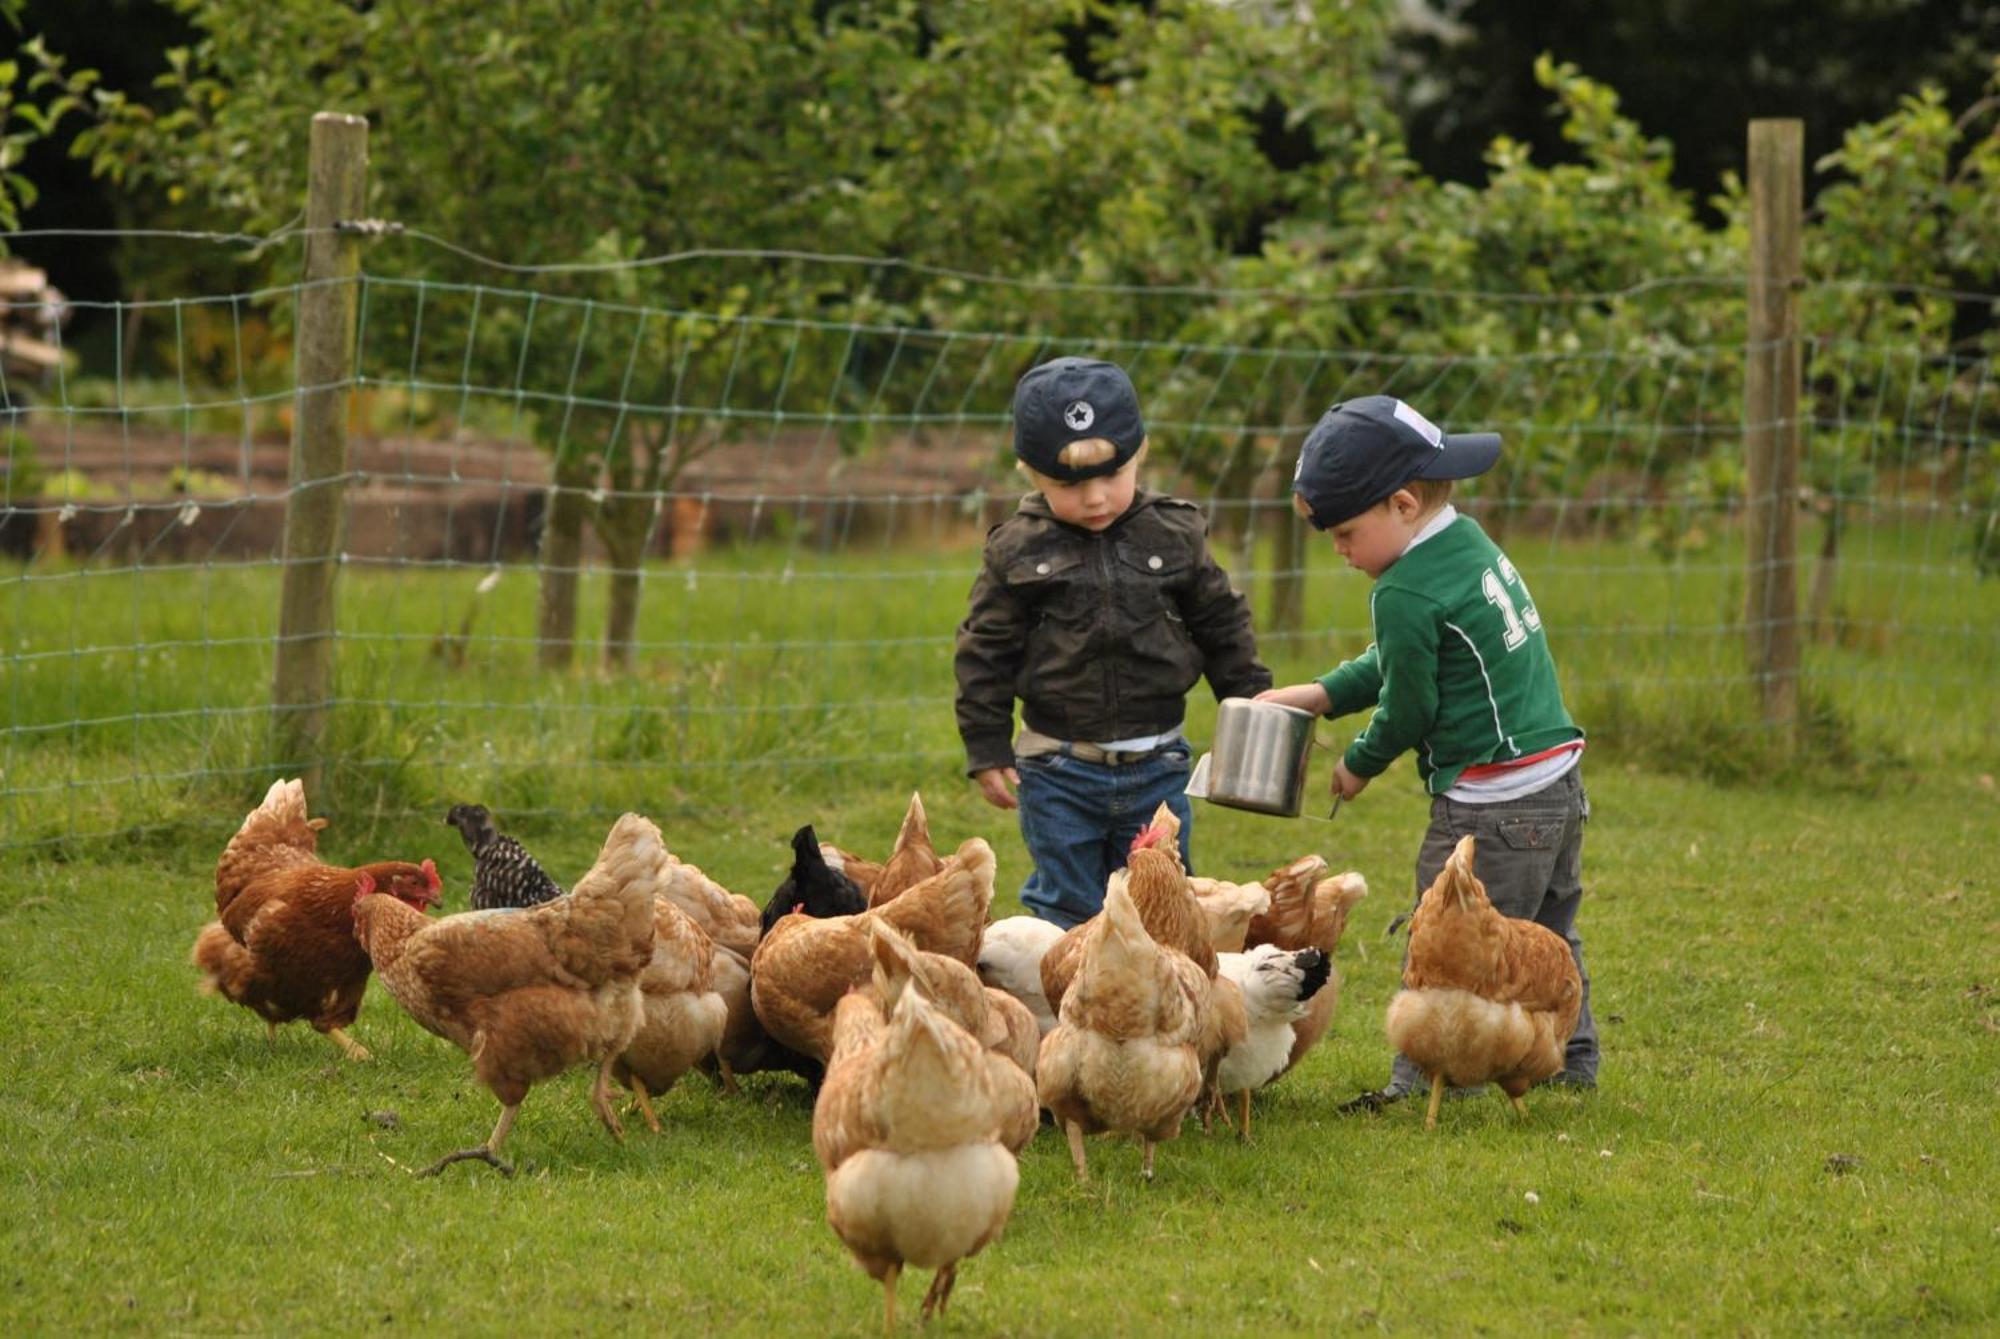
(1519, 622)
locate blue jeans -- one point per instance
(1079, 818)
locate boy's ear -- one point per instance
(1405, 503)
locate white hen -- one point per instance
(1277, 985)
(1010, 960)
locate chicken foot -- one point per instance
(940, 1290)
(353, 1049)
(600, 1099)
(488, 1152)
(1075, 1133)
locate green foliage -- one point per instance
(25, 476)
(1217, 195)
(36, 93)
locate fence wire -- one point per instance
(780, 515)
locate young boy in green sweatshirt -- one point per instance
(1459, 671)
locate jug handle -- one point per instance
(1318, 743)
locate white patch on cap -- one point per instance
(1079, 415)
(1425, 428)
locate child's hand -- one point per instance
(996, 786)
(1345, 783)
(1305, 696)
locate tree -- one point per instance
(960, 136)
(1693, 71)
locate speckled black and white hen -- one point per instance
(503, 873)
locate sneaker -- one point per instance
(1573, 1079)
(1371, 1101)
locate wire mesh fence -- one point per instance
(601, 553)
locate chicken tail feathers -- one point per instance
(611, 916)
(274, 835)
(226, 966)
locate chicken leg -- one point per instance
(1519, 1105)
(354, 1049)
(600, 1099)
(940, 1290)
(488, 1152)
(644, 1102)
(889, 1298)
(1437, 1096)
(1244, 1132)
(1146, 1164)
(1075, 1133)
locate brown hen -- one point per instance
(1486, 998)
(282, 944)
(804, 965)
(531, 993)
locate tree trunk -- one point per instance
(1233, 531)
(562, 556)
(624, 523)
(1288, 556)
(643, 466)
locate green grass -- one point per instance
(138, 696)
(1785, 981)
(1795, 978)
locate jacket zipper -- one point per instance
(1108, 571)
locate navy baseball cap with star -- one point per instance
(1364, 449)
(1074, 400)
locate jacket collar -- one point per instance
(1034, 504)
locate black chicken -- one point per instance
(813, 885)
(503, 873)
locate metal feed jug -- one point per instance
(1259, 759)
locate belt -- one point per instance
(1035, 744)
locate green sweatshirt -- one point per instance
(1459, 669)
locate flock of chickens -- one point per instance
(935, 1037)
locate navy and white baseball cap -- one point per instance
(1073, 400)
(1363, 450)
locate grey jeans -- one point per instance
(1529, 854)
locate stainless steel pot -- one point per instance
(1259, 759)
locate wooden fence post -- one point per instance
(1771, 414)
(302, 686)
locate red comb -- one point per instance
(1148, 836)
(431, 873)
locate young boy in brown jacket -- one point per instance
(1098, 606)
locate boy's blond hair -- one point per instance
(1431, 495)
(1080, 455)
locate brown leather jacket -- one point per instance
(1100, 635)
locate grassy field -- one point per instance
(1795, 980)
(138, 697)
(1793, 1133)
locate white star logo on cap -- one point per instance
(1079, 415)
